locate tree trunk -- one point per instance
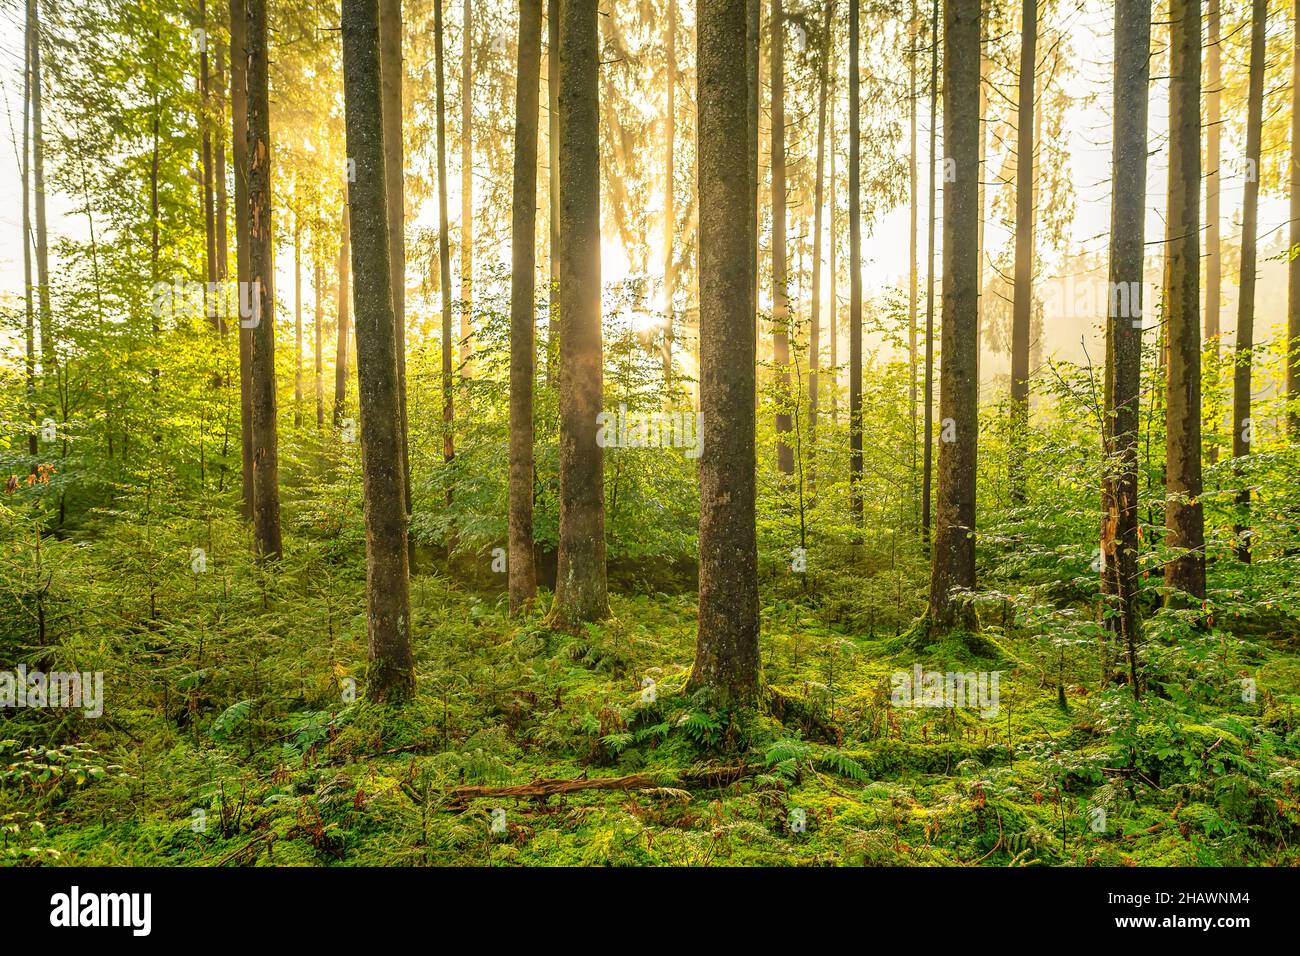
(316, 339)
(670, 209)
(580, 587)
(726, 649)
(261, 240)
(833, 301)
(553, 191)
(780, 281)
(1024, 267)
(953, 561)
(855, 274)
(210, 298)
(1213, 259)
(444, 247)
(1119, 528)
(297, 321)
(392, 70)
(912, 269)
(49, 351)
(522, 574)
(30, 330)
(243, 266)
(392, 668)
(1184, 520)
(814, 325)
(1241, 423)
(341, 348)
(219, 153)
(753, 55)
(927, 432)
(466, 188)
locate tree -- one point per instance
(261, 261)
(1241, 423)
(243, 259)
(466, 183)
(953, 561)
(927, 428)
(444, 248)
(341, 348)
(522, 574)
(1213, 178)
(319, 287)
(855, 272)
(814, 334)
(390, 59)
(553, 184)
(913, 32)
(205, 165)
(580, 586)
(670, 209)
(1024, 268)
(392, 666)
(29, 354)
(1293, 266)
(49, 352)
(1119, 526)
(780, 281)
(1184, 520)
(726, 648)
(297, 320)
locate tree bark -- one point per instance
(927, 430)
(522, 574)
(444, 247)
(726, 649)
(243, 261)
(953, 561)
(580, 587)
(1213, 178)
(319, 287)
(49, 350)
(205, 163)
(29, 354)
(814, 325)
(261, 240)
(780, 280)
(466, 187)
(392, 668)
(1184, 520)
(855, 273)
(341, 346)
(1119, 527)
(1241, 422)
(1024, 266)
(670, 168)
(297, 321)
(553, 191)
(912, 266)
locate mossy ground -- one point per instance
(284, 770)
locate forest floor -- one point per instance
(276, 762)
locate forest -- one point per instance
(650, 433)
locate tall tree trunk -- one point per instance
(49, 351)
(392, 70)
(297, 320)
(1184, 519)
(726, 648)
(855, 274)
(1119, 527)
(833, 309)
(580, 587)
(753, 55)
(444, 247)
(986, 67)
(670, 209)
(341, 346)
(814, 329)
(261, 240)
(219, 174)
(914, 31)
(1293, 267)
(522, 574)
(210, 298)
(1024, 274)
(392, 667)
(953, 562)
(1213, 259)
(927, 432)
(780, 280)
(243, 261)
(319, 287)
(553, 191)
(30, 330)
(1241, 423)
(466, 187)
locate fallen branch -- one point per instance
(543, 788)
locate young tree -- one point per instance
(780, 281)
(855, 272)
(392, 667)
(1119, 527)
(953, 561)
(580, 587)
(297, 320)
(49, 352)
(319, 288)
(927, 432)
(814, 332)
(1213, 178)
(726, 649)
(1241, 424)
(205, 165)
(522, 575)
(261, 240)
(1293, 267)
(243, 260)
(466, 184)
(1184, 519)
(1024, 267)
(341, 346)
(444, 246)
(670, 170)
(913, 33)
